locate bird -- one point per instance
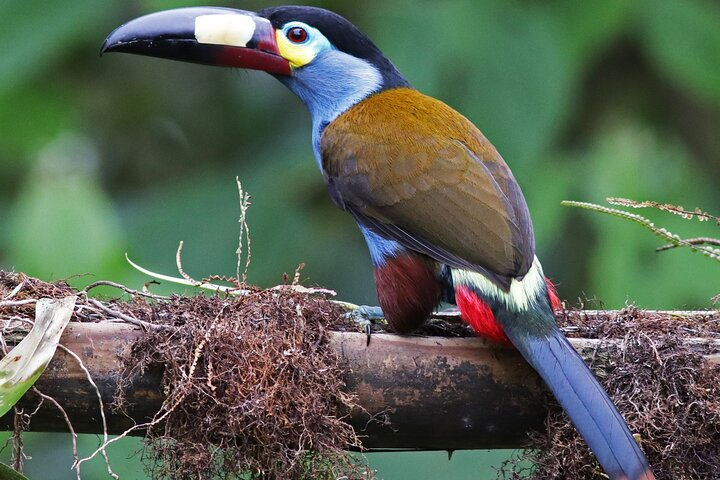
(442, 215)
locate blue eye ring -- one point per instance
(297, 35)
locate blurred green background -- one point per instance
(102, 156)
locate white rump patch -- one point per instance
(522, 295)
(231, 29)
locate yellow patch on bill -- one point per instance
(234, 30)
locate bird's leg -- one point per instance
(364, 316)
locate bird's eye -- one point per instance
(297, 35)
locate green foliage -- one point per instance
(36, 118)
(7, 473)
(508, 71)
(589, 27)
(633, 162)
(35, 32)
(673, 239)
(684, 39)
(20, 368)
(62, 223)
(585, 100)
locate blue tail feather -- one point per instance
(578, 392)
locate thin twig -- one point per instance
(660, 232)
(82, 366)
(190, 283)
(140, 426)
(127, 318)
(244, 230)
(15, 290)
(178, 262)
(323, 292)
(296, 277)
(692, 241)
(665, 207)
(17, 303)
(94, 315)
(18, 453)
(67, 422)
(127, 290)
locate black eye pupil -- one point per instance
(297, 35)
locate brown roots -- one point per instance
(660, 382)
(252, 388)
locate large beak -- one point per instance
(208, 35)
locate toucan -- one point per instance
(442, 215)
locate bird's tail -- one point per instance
(529, 324)
(579, 393)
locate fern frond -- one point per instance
(669, 237)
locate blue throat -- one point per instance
(332, 83)
(329, 85)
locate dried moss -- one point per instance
(660, 382)
(252, 385)
(253, 389)
(32, 287)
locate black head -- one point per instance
(342, 34)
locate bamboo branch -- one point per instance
(438, 393)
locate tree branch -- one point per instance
(438, 393)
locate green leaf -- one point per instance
(8, 473)
(588, 27)
(683, 38)
(20, 368)
(32, 118)
(35, 32)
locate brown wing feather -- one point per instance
(411, 163)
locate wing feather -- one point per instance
(416, 171)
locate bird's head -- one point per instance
(319, 55)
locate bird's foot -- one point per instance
(364, 316)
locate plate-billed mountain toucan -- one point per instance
(442, 215)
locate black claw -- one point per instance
(368, 333)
